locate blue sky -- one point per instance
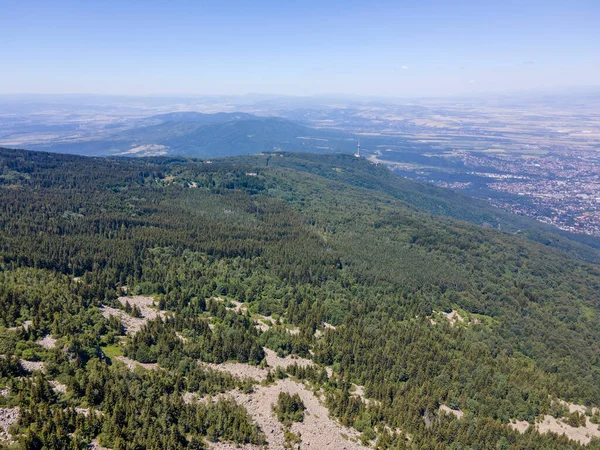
(383, 48)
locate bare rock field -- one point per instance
(8, 416)
(275, 361)
(232, 446)
(32, 366)
(58, 387)
(134, 324)
(239, 370)
(549, 424)
(317, 431)
(453, 317)
(257, 373)
(94, 445)
(47, 342)
(456, 412)
(24, 326)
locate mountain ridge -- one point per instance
(204, 136)
(397, 315)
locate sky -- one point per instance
(310, 47)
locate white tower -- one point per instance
(357, 154)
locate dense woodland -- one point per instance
(304, 239)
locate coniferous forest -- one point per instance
(380, 282)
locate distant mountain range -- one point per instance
(208, 135)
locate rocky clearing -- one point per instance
(456, 412)
(8, 416)
(24, 326)
(549, 424)
(47, 342)
(32, 366)
(134, 324)
(317, 431)
(258, 373)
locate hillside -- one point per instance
(169, 302)
(207, 136)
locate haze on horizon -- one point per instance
(308, 48)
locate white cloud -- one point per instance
(405, 67)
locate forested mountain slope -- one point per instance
(207, 136)
(327, 258)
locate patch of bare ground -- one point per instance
(94, 445)
(581, 434)
(550, 424)
(237, 306)
(32, 366)
(134, 324)
(453, 317)
(326, 326)
(519, 425)
(293, 331)
(456, 412)
(8, 416)
(190, 397)
(86, 411)
(131, 364)
(4, 392)
(47, 342)
(257, 373)
(239, 370)
(24, 326)
(264, 323)
(359, 391)
(572, 407)
(57, 386)
(317, 431)
(275, 361)
(231, 446)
